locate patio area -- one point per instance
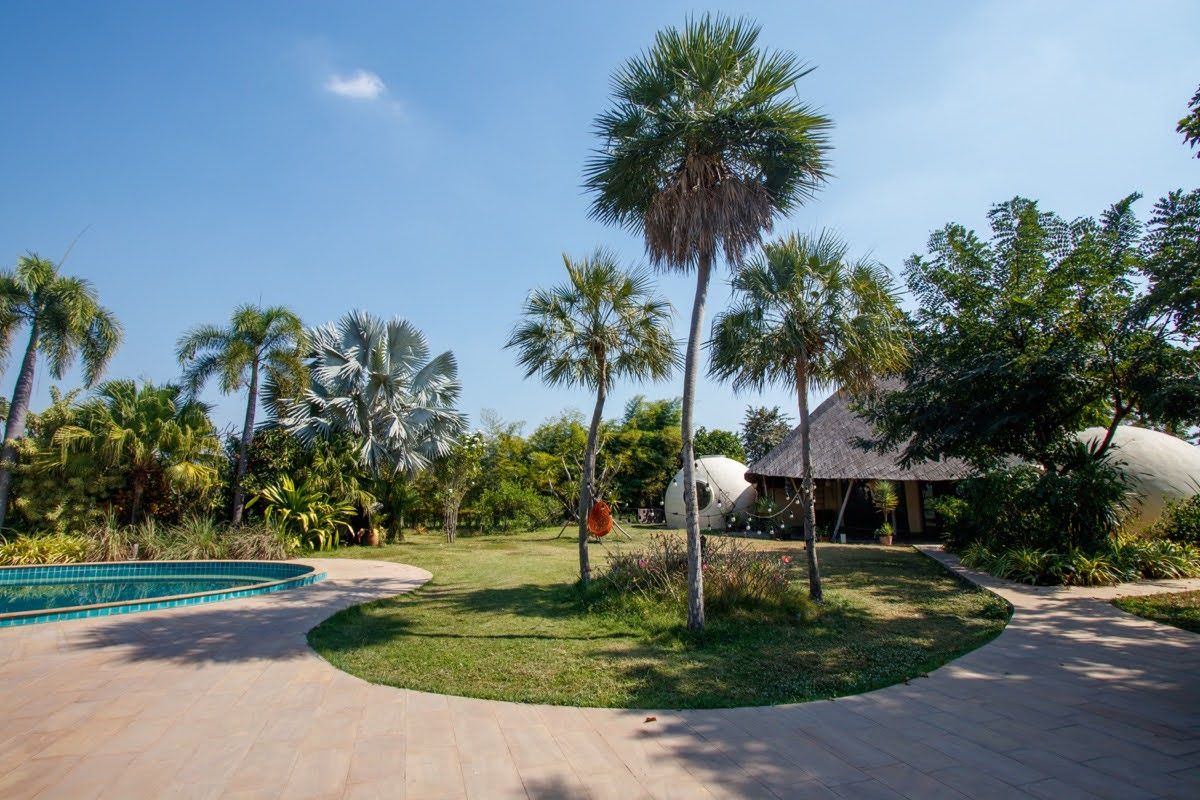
(1074, 699)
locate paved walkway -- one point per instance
(1074, 699)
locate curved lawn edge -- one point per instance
(349, 638)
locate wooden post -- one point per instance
(842, 511)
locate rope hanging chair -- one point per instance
(599, 520)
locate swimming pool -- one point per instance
(71, 591)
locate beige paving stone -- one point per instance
(318, 773)
(433, 773)
(377, 758)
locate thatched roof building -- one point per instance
(834, 430)
(843, 471)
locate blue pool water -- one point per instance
(33, 594)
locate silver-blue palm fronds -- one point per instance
(374, 380)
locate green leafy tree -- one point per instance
(762, 430)
(455, 475)
(1172, 262)
(1189, 126)
(645, 446)
(256, 341)
(65, 321)
(374, 381)
(805, 317)
(604, 324)
(705, 143)
(1026, 338)
(719, 443)
(146, 431)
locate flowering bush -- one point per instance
(736, 576)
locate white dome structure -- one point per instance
(1160, 467)
(723, 489)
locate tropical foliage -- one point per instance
(374, 380)
(305, 513)
(804, 316)
(65, 322)
(704, 144)
(258, 343)
(603, 325)
(151, 432)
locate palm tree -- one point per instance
(805, 318)
(601, 325)
(256, 340)
(374, 381)
(65, 321)
(704, 144)
(144, 430)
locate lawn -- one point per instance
(1181, 609)
(502, 619)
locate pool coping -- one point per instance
(35, 616)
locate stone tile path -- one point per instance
(1074, 699)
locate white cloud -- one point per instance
(359, 85)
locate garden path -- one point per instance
(1074, 699)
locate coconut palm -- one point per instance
(66, 321)
(602, 325)
(257, 340)
(806, 318)
(145, 430)
(704, 144)
(373, 380)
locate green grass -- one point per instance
(503, 619)
(1181, 609)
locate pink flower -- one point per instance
(787, 559)
(641, 563)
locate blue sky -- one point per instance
(426, 161)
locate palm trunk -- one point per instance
(235, 516)
(695, 614)
(15, 427)
(807, 495)
(587, 489)
(135, 503)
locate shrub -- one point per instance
(108, 541)
(508, 505)
(261, 542)
(1180, 522)
(736, 577)
(56, 548)
(1126, 559)
(305, 513)
(197, 538)
(1077, 568)
(1081, 507)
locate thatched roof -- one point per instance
(834, 429)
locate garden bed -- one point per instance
(502, 619)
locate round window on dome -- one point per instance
(704, 495)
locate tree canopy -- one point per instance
(1039, 330)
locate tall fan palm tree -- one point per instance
(66, 321)
(806, 318)
(704, 144)
(603, 324)
(145, 429)
(374, 380)
(256, 340)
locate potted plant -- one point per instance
(886, 500)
